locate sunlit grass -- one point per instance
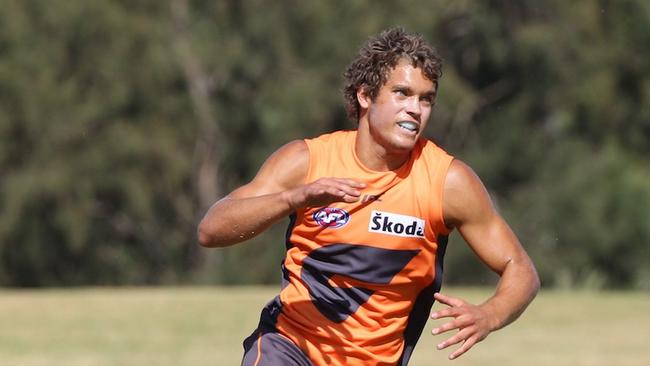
(206, 325)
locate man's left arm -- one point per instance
(468, 208)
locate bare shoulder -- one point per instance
(461, 176)
(288, 165)
(296, 149)
(286, 168)
(465, 197)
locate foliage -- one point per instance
(114, 113)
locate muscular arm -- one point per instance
(467, 207)
(278, 189)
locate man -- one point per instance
(370, 212)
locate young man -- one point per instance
(370, 212)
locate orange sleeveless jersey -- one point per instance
(359, 278)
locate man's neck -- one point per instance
(374, 156)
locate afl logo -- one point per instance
(331, 217)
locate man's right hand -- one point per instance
(324, 191)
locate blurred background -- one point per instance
(121, 122)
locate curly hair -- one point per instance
(372, 65)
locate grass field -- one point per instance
(205, 326)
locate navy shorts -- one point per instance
(272, 349)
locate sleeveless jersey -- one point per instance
(359, 278)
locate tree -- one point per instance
(122, 121)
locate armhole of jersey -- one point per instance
(310, 151)
(441, 175)
(298, 215)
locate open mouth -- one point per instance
(409, 126)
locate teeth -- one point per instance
(408, 125)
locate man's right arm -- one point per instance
(278, 189)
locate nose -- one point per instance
(413, 107)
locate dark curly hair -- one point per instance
(375, 60)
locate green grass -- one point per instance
(205, 325)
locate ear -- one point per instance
(363, 98)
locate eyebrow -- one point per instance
(401, 87)
(432, 94)
(406, 87)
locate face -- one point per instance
(399, 113)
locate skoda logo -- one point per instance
(331, 217)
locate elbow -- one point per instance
(535, 282)
(530, 277)
(206, 237)
(211, 235)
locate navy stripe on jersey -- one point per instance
(288, 245)
(269, 316)
(422, 306)
(292, 223)
(375, 266)
(440, 257)
(272, 349)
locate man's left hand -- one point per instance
(472, 322)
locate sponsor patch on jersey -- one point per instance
(331, 217)
(396, 224)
